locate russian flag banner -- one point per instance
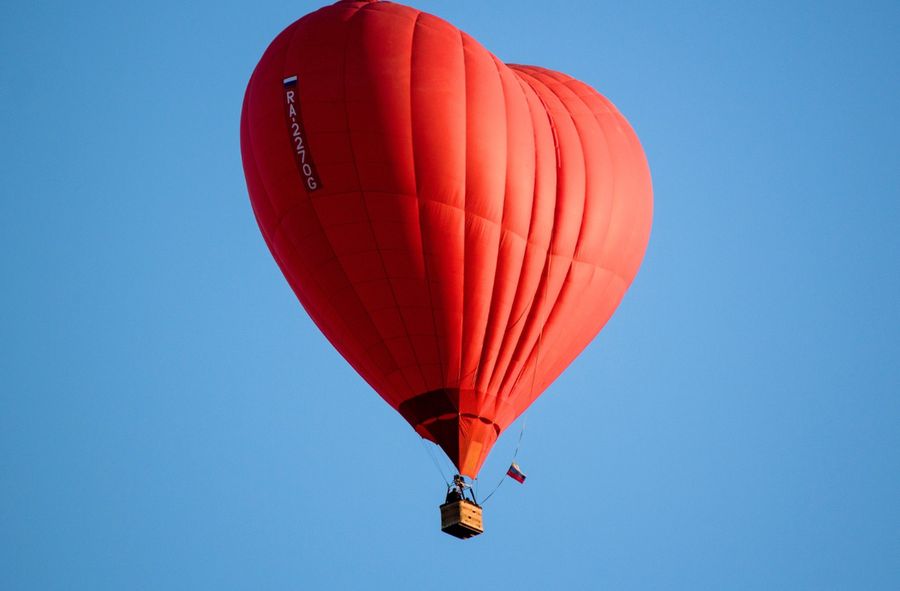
(516, 473)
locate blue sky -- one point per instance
(171, 419)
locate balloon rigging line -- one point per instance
(435, 461)
(515, 453)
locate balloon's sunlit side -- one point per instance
(458, 228)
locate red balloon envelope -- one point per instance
(458, 228)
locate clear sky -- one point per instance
(170, 418)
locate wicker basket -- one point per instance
(461, 519)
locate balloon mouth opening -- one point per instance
(466, 439)
(450, 418)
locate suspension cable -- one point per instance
(515, 453)
(435, 461)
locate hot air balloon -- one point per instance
(457, 227)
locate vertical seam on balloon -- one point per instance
(465, 217)
(545, 272)
(559, 82)
(490, 327)
(566, 286)
(620, 125)
(523, 85)
(507, 342)
(612, 274)
(487, 324)
(466, 315)
(362, 193)
(526, 358)
(434, 324)
(465, 221)
(547, 260)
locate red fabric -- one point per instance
(465, 227)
